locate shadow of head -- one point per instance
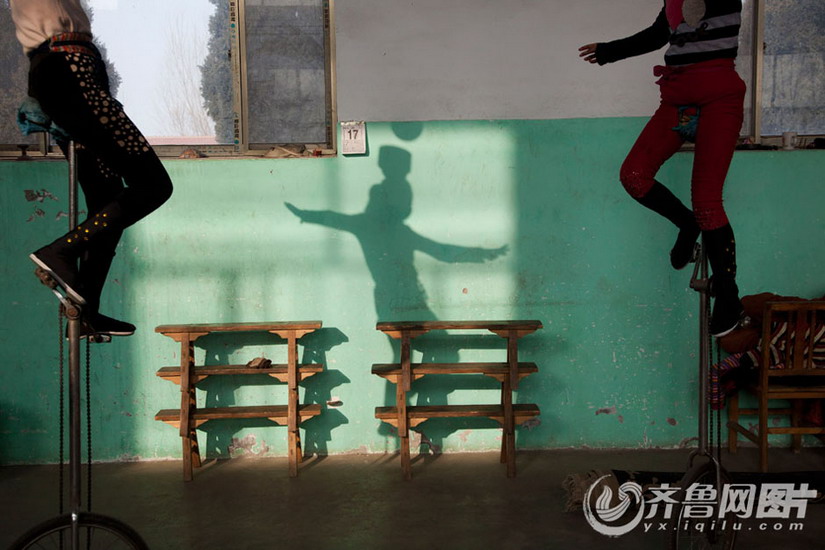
(392, 198)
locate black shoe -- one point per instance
(727, 309)
(682, 252)
(727, 312)
(62, 270)
(102, 328)
(101, 324)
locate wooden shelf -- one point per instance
(508, 373)
(188, 417)
(280, 372)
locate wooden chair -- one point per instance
(791, 367)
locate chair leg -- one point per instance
(733, 418)
(796, 420)
(763, 433)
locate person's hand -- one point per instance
(588, 53)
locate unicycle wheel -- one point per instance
(693, 533)
(96, 532)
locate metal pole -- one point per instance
(72, 185)
(701, 283)
(73, 315)
(703, 352)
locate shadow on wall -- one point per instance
(389, 245)
(222, 439)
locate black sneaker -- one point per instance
(726, 316)
(61, 270)
(101, 324)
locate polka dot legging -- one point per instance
(115, 162)
(120, 174)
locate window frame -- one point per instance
(241, 108)
(45, 147)
(757, 75)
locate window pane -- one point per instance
(168, 56)
(793, 87)
(286, 71)
(14, 66)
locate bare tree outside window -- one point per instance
(179, 106)
(216, 74)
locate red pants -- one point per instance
(715, 87)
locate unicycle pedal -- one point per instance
(47, 280)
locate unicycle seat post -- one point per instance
(700, 282)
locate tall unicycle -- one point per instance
(76, 529)
(699, 519)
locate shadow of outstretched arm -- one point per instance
(458, 254)
(327, 218)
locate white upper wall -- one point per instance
(401, 60)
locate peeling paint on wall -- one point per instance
(246, 445)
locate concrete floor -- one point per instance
(454, 501)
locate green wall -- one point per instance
(440, 220)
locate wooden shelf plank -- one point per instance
(239, 327)
(520, 411)
(257, 411)
(276, 370)
(395, 326)
(394, 369)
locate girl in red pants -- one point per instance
(698, 78)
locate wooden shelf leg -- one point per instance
(796, 421)
(292, 409)
(509, 439)
(406, 467)
(187, 458)
(512, 358)
(188, 405)
(503, 457)
(763, 432)
(406, 371)
(403, 429)
(293, 455)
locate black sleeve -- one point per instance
(648, 40)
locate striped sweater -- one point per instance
(716, 36)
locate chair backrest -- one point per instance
(793, 338)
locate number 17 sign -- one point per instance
(354, 138)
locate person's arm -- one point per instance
(648, 40)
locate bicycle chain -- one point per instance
(61, 405)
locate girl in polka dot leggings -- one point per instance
(121, 177)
